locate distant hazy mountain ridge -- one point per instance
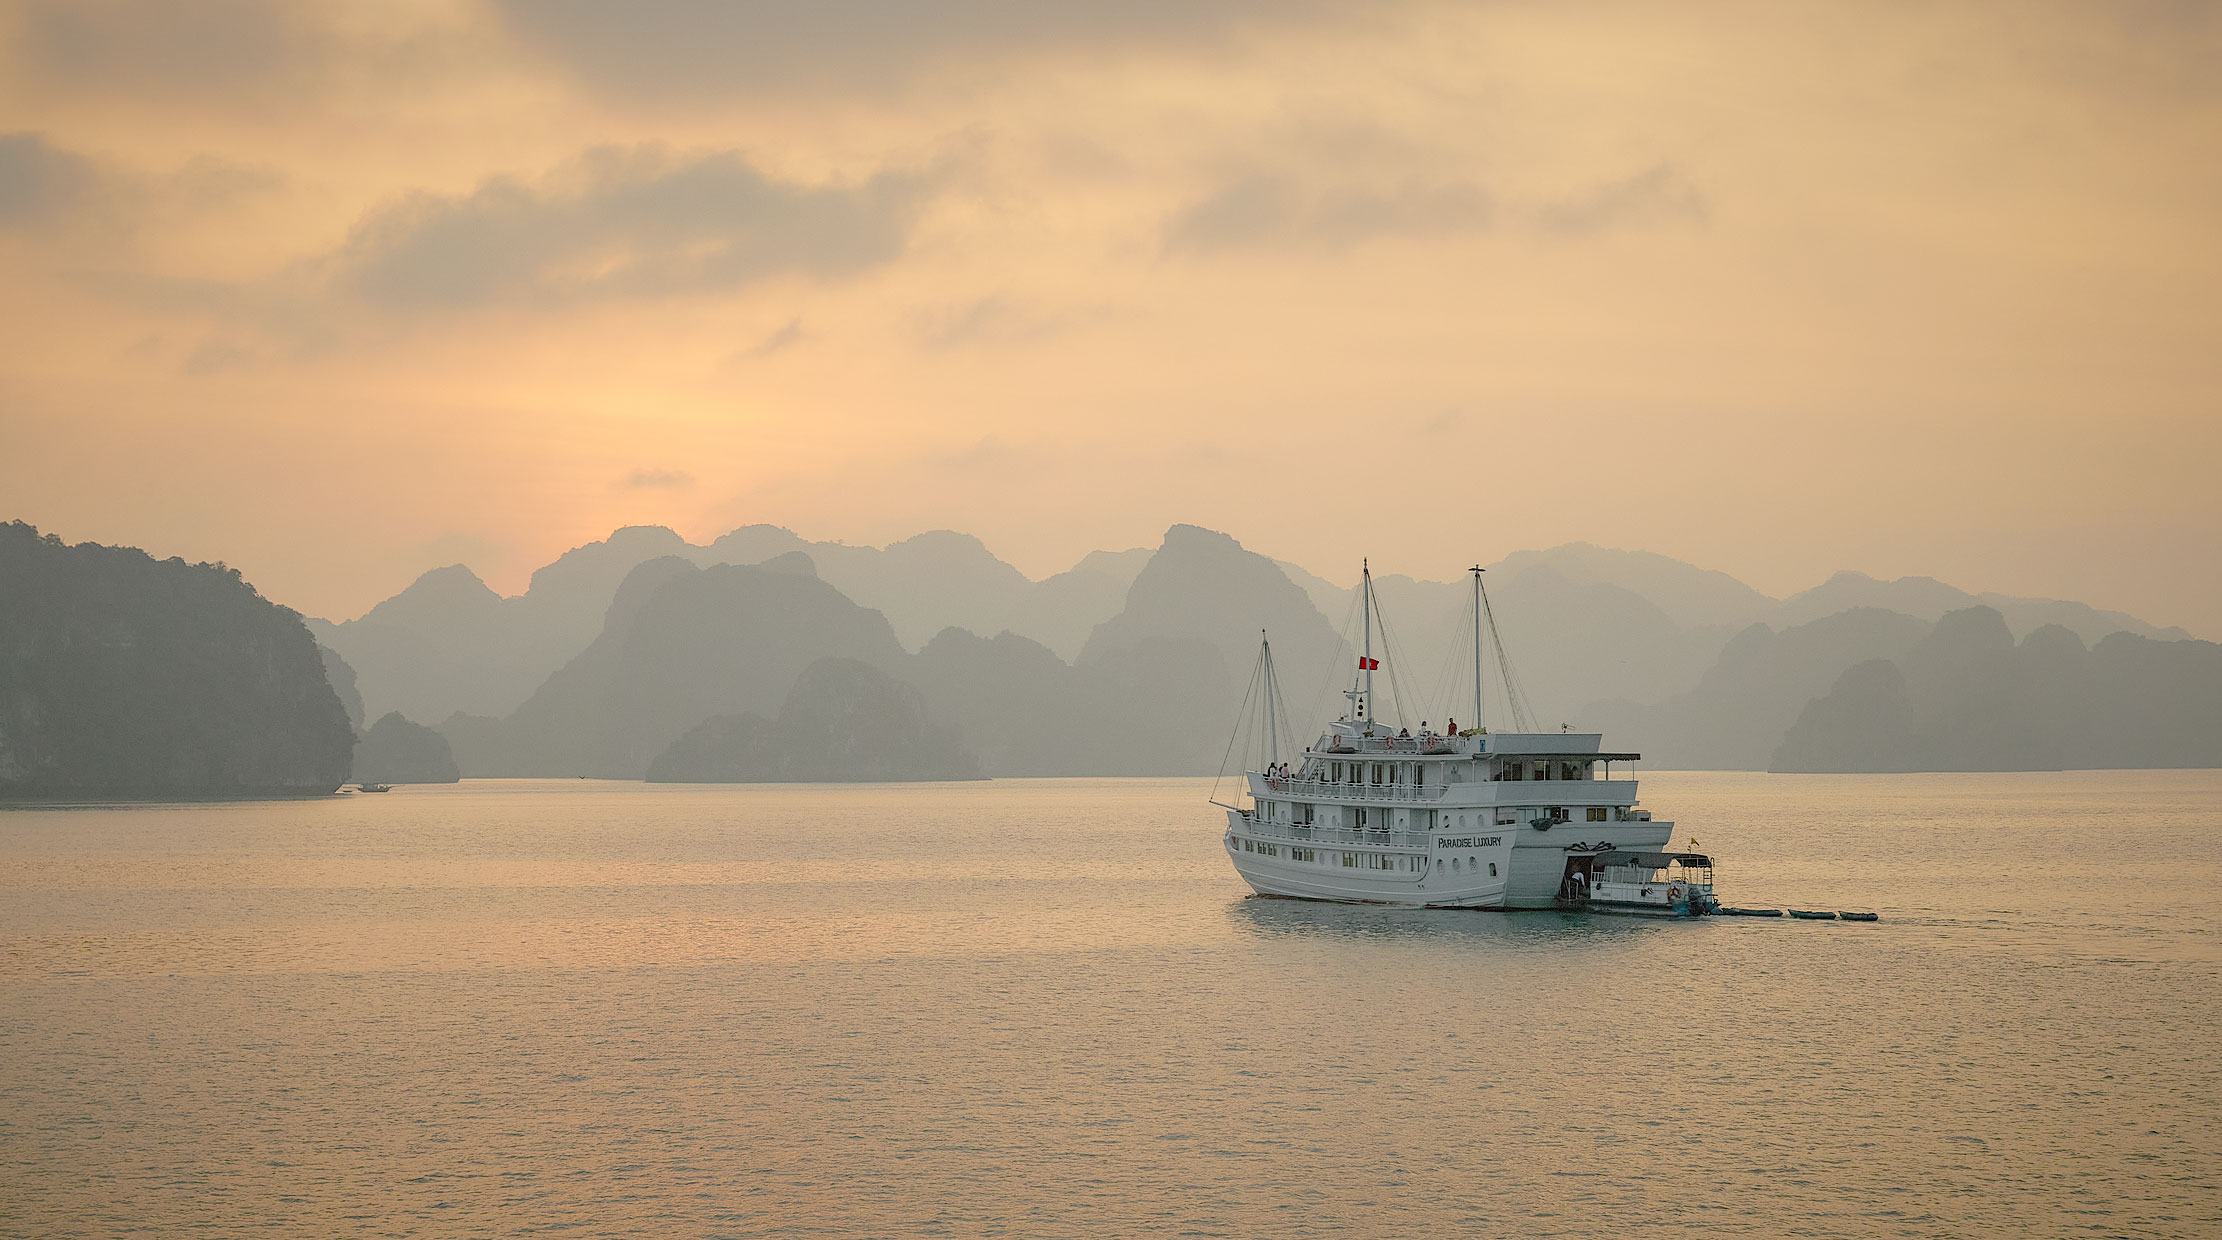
(1132, 662)
(682, 646)
(449, 644)
(1967, 697)
(679, 645)
(1737, 712)
(396, 751)
(843, 721)
(1925, 598)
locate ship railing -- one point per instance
(1425, 742)
(1301, 833)
(1354, 792)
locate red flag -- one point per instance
(1368, 665)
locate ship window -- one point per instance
(1350, 859)
(1504, 818)
(1454, 865)
(1492, 869)
(1597, 813)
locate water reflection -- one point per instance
(1277, 917)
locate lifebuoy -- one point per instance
(1674, 893)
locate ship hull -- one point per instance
(1512, 868)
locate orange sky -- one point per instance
(337, 293)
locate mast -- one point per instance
(1365, 663)
(1477, 646)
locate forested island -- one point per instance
(125, 677)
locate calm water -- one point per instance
(1037, 1008)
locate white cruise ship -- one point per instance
(1373, 813)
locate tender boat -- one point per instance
(1812, 914)
(1859, 917)
(1370, 813)
(1646, 884)
(374, 787)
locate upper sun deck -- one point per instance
(1347, 737)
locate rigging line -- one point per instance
(1280, 704)
(1522, 719)
(1391, 647)
(1319, 706)
(1445, 688)
(1269, 718)
(1481, 698)
(1276, 707)
(1469, 614)
(1241, 716)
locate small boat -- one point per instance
(1751, 912)
(1812, 915)
(1647, 884)
(1859, 917)
(374, 787)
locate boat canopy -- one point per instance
(1653, 860)
(1559, 755)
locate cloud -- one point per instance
(1656, 195)
(729, 47)
(194, 48)
(207, 183)
(624, 222)
(214, 356)
(786, 337)
(48, 189)
(999, 321)
(40, 183)
(1267, 210)
(658, 480)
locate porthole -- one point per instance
(1454, 865)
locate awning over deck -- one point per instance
(1653, 860)
(1563, 757)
